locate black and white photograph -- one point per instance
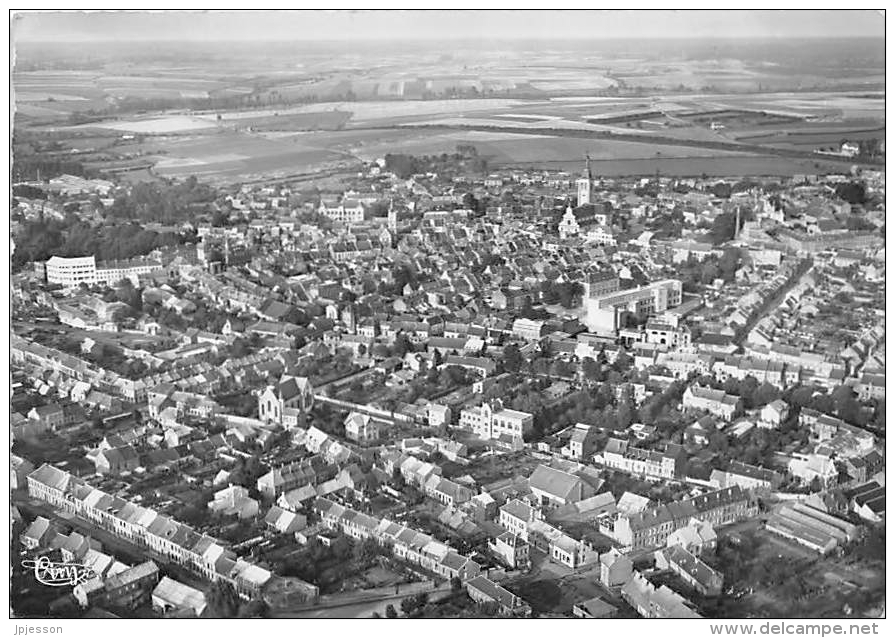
(448, 314)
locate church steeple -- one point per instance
(584, 183)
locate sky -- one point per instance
(442, 25)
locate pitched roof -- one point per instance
(554, 482)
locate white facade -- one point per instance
(71, 272)
(603, 311)
(490, 422)
(348, 211)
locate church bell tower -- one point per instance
(584, 183)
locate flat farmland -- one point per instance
(733, 164)
(229, 156)
(842, 106)
(500, 147)
(52, 95)
(541, 133)
(154, 125)
(417, 142)
(814, 137)
(324, 120)
(557, 149)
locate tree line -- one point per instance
(43, 238)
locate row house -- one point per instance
(667, 335)
(764, 370)
(405, 543)
(620, 455)
(689, 568)
(447, 492)
(652, 526)
(286, 478)
(652, 602)
(682, 364)
(483, 590)
(716, 402)
(163, 536)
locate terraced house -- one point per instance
(166, 539)
(405, 543)
(619, 455)
(652, 526)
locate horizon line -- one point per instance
(558, 38)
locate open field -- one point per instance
(167, 124)
(271, 146)
(365, 113)
(230, 154)
(735, 165)
(812, 138)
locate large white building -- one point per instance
(528, 329)
(643, 462)
(604, 311)
(71, 272)
(491, 420)
(347, 211)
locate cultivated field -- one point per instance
(533, 129)
(230, 156)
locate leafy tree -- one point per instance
(764, 394)
(623, 361)
(710, 272)
(512, 358)
(223, 601)
(722, 189)
(802, 396)
(728, 264)
(624, 415)
(366, 551)
(390, 611)
(562, 368)
(402, 346)
(413, 603)
(255, 608)
(823, 403)
(852, 192)
(592, 370)
(723, 228)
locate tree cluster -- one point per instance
(224, 602)
(567, 294)
(405, 166)
(852, 192)
(164, 202)
(42, 238)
